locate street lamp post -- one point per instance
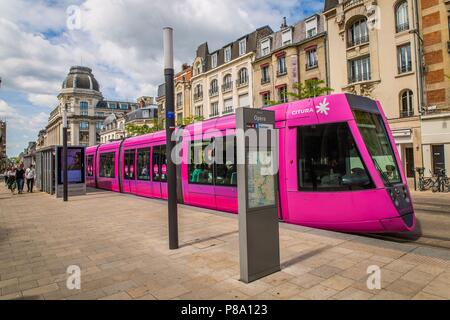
(170, 128)
(64, 162)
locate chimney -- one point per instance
(185, 66)
(284, 24)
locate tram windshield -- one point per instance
(377, 141)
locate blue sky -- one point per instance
(119, 39)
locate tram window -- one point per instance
(107, 165)
(377, 141)
(90, 166)
(328, 159)
(144, 164)
(201, 168)
(159, 160)
(225, 166)
(128, 163)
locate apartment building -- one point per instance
(373, 51)
(294, 54)
(222, 80)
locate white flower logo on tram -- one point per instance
(323, 107)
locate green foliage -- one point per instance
(310, 89)
(189, 120)
(139, 130)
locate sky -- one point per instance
(121, 40)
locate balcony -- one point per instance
(241, 83)
(228, 110)
(198, 96)
(358, 41)
(406, 113)
(214, 114)
(350, 3)
(226, 87)
(359, 78)
(213, 92)
(402, 27)
(265, 80)
(312, 65)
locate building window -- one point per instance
(100, 114)
(180, 118)
(227, 54)
(198, 68)
(282, 94)
(359, 69)
(179, 100)
(406, 104)
(281, 63)
(404, 58)
(311, 27)
(242, 47)
(311, 59)
(322, 167)
(228, 106)
(265, 75)
(265, 97)
(227, 83)
(107, 165)
(84, 125)
(214, 109)
(199, 111)
(198, 92)
(358, 33)
(214, 89)
(112, 105)
(401, 17)
(84, 108)
(214, 61)
(243, 77)
(244, 100)
(286, 37)
(265, 47)
(99, 126)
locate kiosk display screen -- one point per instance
(75, 166)
(261, 179)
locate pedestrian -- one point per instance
(12, 180)
(30, 174)
(5, 176)
(20, 178)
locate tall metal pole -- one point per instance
(170, 128)
(64, 162)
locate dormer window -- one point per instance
(311, 27)
(214, 60)
(265, 47)
(227, 54)
(242, 47)
(286, 37)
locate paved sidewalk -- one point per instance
(120, 243)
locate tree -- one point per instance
(189, 120)
(139, 130)
(310, 89)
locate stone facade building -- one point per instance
(86, 110)
(291, 55)
(222, 80)
(373, 51)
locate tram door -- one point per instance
(159, 172)
(129, 171)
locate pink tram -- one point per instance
(338, 167)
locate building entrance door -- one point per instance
(438, 158)
(409, 159)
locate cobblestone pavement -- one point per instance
(120, 243)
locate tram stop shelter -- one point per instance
(49, 173)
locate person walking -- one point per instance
(5, 176)
(12, 180)
(30, 174)
(20, 178)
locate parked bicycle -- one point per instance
(436, 183)
(444, 181)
